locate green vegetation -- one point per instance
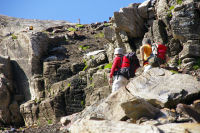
(197, 65)
(82, 103)
(38, 122)
(71, 29)
(14, 36)
(173, 71)
(80, 26)
(107, 24)
(92, 56)
(100, 67)
(170, 11)
(179, 2)
(92, 85)
(69, 84)
(171, 8)
(84, 47)
(49, 122)
(99, 35)
(86, 66)
(108, 66)
(179, 62)
(91, 78)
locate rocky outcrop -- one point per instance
(133, 105)
(106, 126)
(165, 87)
(9, 108)
(62, 69)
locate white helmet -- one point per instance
(118, 51)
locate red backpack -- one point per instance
(130, 64)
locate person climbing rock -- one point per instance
(116, 79)
(145, 52)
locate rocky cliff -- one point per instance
(51, 69)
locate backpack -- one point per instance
(130, 64)
(158, 54)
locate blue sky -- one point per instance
(88, 11)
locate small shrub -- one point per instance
(14, 36)
(84, 47)
(69, 84)
(92, 56)
(71, 29)
(92, 85)
(171, 8)
(79, 25)
(100, 67)
(108, 66)
(179, 62)
(49, 121)
(82, 103)
(173, 71)
(179, 2)
(107, 24)
(195, 67)
(86, 66)
(99, 35)
(170, 11)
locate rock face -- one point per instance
(9, 108)
(125, 105)
(55, 68)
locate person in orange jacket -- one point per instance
(145, 52)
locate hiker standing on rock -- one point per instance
(145, 52)
(115, 78)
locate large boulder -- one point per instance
(128, 20)
(106, 126)
(165, 86)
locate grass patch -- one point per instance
(170, 11)
(99, 35)
(107, 24)
(80, 26)
(49, 122)
(179, 2)
(86, 66)
(69, 84)
(82, 103)
(174, 72)
(84, 47)
(108, 66)
(14, 36)
(92, 85)
(195, 67)
(171, 8)
(179, 62)
(100, 67)
(71, 29)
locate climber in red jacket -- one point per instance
(117, 80)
